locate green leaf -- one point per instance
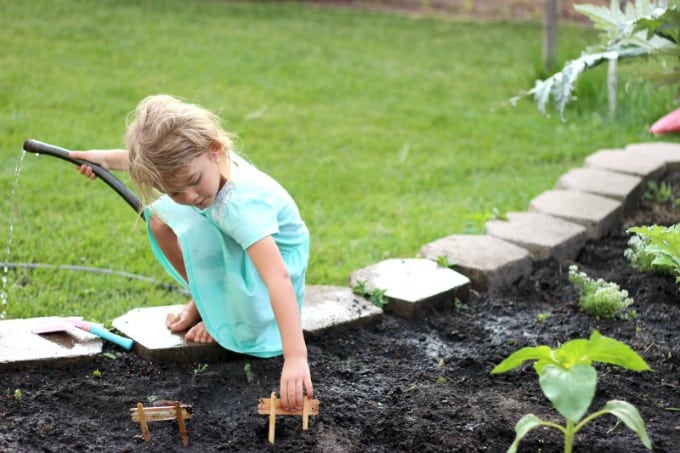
(627, 413)
(517, 358)
(523, 426)
(569, 390)
(572, 353)
(607, 350)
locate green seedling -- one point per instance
(568, 379)
(97, 374)
(475, 222)
(542, 317)
(604, 300)
(18, 395)
(248, 371)
(661, 193)
(443, 261)
(376, 296)
(200, 368)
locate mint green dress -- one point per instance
(231, 298)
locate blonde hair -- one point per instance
(164, 136)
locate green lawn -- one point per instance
(390, 131)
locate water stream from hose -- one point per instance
(10, 236)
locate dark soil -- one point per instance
(398, 385)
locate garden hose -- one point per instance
(121, 189)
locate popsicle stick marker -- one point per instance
(180, 412)
(272, 407)
(142, 421)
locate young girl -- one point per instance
(223, 229)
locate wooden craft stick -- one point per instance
(272, 418)
(180, 423)
(306, 406)
(264, 407)
(161, 413)
(142, 421)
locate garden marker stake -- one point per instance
(34, 146)
(177, 411)
(272, 407)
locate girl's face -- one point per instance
(199, 185)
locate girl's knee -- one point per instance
(160, 229)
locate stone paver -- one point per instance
(662, 151)
(542, 235)
(490, 263)
(20, 347)
(326, 307)
(154, 342)
(625, 162)
(412, 285)
(626, 188)
(598, 214)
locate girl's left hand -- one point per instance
(294, 377)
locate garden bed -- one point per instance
(398, 385)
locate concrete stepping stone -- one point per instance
(326, 307)
(662, 151)
(620, 186)
(626, 162)
(542, 235)
(598, 214)
(412, 285)
(155, 342)
(490, 263)
(19, 347)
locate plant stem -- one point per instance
(569, 437)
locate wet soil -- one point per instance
(397, 385)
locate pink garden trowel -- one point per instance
(57, 324)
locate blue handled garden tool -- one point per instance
(57, 324)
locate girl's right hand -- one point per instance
(107, 159)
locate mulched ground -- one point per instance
(421, 385)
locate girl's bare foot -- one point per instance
(199, 334)
(182, 320)
(189, 318)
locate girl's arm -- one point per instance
(109, 159)
(295, 374)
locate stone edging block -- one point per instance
(542, 235)
(631, 163)
(626, 188)
(325, 307)
(598, 214)
(490, 263)
(411, 285)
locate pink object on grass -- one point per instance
(667, 123)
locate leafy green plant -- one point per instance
(568, 379)
(599, 298)
(659, 192)
(376, 295)
(655, 248)
(644, 29)
(97, 374)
